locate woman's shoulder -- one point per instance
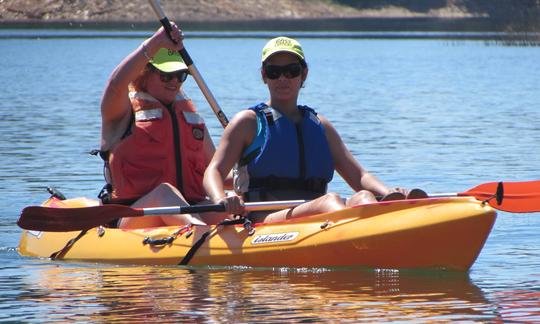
(243, 119)
(242, 127)
(246, 115)
(326, 123)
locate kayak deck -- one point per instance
(426, 233)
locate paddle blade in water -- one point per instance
(517, 197)
(72, 219)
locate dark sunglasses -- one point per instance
(168, 76)
(289, 71)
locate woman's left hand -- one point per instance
(161, 39)
(177, 35)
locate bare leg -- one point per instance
(361, 197)
(327, 203)
(163, 195)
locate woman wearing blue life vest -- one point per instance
(154, 143)
(287, 151)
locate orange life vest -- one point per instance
(165, 145)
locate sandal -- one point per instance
(417, 194)
(393, 196)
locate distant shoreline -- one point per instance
(526, 39)
(476, 28)
(378, 24)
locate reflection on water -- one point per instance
(519, 305)
(105, 294)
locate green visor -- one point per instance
(167, 60)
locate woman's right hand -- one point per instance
(234, 205)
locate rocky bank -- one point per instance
(483, 15)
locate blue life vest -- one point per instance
(288, 156)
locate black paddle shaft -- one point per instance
(183, 52)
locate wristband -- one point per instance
(145, 53)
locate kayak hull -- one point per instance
(446, 233)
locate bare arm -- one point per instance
(348, 167)
(236, 137)
(209, 151)
(115, 103)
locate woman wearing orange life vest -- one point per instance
(154, 143)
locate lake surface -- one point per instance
(437, 114)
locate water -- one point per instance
(437, 114)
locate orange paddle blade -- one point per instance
(514, 197)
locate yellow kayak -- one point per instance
(444, 233)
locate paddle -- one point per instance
(191, 66)
(514, 197)
(72, 219)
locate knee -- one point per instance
(165, 188)
(332, 202)
(361, 197)
(165, 193)
(364, 194)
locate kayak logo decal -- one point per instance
(274, 238)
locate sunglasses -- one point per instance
(290, 71)
(168, 76)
